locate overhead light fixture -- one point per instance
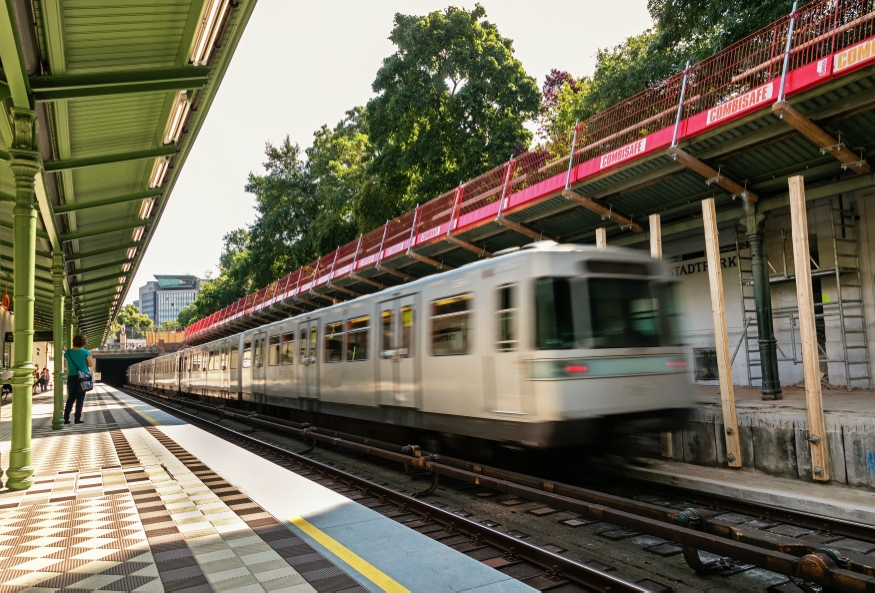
(132, 251)
(211, 21)
(126, 268)
(138, 233)
(146, 208)
(159, 170)
(119, 288)
(121, 280)
(177, 118)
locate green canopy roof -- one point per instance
(120, 90)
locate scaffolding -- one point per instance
(847, 308)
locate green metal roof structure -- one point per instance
(120, 90)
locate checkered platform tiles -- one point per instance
(122, 507)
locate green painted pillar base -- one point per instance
(58, 330)
(25, 164)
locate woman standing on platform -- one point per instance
(78, 359)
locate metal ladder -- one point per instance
(849, 294)
(749, 313)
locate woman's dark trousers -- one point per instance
(74, 394)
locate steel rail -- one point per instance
(556, 567)
(694, 529)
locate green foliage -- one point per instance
(451, 105)
(167, 326)
(683, 30)
(307, 204)
(134, 322)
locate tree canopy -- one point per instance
(451, 103)
(134, 322)
(682, 30)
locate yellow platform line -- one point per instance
(375, 575)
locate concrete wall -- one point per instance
(774, 441)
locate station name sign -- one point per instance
(857, 54)
(623, 153)
(701, 266)
(749, 99)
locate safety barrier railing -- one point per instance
(818, 31)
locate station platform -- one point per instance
(774, 434)
(135, 499)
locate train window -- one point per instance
(554, 321)
(247, 355)
(288, 348)
(224, 360)
(333, 342)
(450, 326)
(357, 340)
(386, 321)
(625, 313)
(303, 357)
(505, 321)
(406, 350)
(235, 349)
(273, 352)
(313, 342)
(258, 354)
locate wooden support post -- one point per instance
(655, 236)
(721, 341)
(656, 253)
(810, 356)
(601, 238)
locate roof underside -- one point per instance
(103, 77)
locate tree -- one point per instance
(683, 30)
(308, 204)
(451, 103)
(135, 323)
(167, 326)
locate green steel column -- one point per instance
(58, 331)
(25, 164)
(756, 236)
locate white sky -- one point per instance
(303, 64)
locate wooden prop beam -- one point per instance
(593, 206)
(810, 355)
(468, 246)
(601, 238)
(824, 141)
(518, 228)
(427, 260)
(711, 175)
(656, 253)
(721, 341)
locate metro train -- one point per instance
(541, 347)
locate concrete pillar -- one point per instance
(58, 332)
(25, 164)
(756, 236)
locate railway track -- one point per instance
(703, 526)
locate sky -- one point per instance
(303, 64)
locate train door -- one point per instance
(397, 337)
(258, 362)
(508, 372)
(308, 361)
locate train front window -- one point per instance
(554, 320)
(624, 313)
(602, 313)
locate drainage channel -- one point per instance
(537, 567)
(693, 529)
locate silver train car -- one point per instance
(545, 346)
